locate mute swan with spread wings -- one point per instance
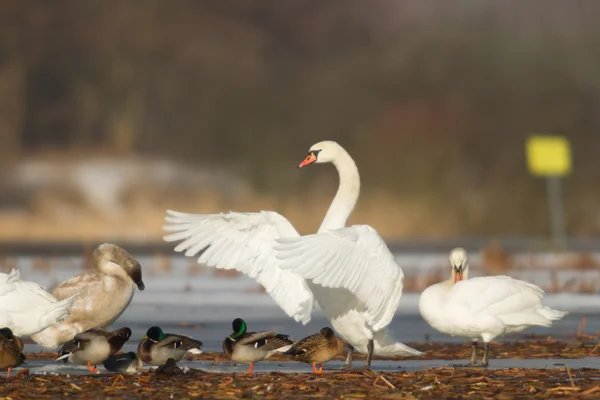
(353, 276)
(484, 307)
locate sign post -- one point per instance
(550, 156)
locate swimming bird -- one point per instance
(157, 347)
(102, 295)
(123, 362)
(348, 270)
(93, 346)
(26, 308)
(251, 347)
(317, 349)
(11, 351)
(483, 308)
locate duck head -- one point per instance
(123, 332)
(154, 334)
(459, 264)
(113, 260)
(327, 333)
(7, 333)
(239, 328)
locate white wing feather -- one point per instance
(498, 295)
(17, 295)
(244, 241)
(354, 258)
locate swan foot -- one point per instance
(469, 365)
(348, 364)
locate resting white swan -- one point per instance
(352, 273)
(26, 308)
(485, 307)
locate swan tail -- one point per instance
(56, 312)
(518, 322)
(551, 313)
(385, 345)
(14, 276)
(542, 316)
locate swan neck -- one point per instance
(347, 194)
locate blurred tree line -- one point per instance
(434, 100)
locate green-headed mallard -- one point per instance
(11, 350)
(157, 347)
(317, 349)
(103, 295)
(93, 346)
(250, 347)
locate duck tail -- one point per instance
(385, 345)
(294, 351)
(193, 346)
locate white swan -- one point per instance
(26, 308)
(485, 307)
(353, 275)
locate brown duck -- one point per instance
(317, 349)
(11, 351)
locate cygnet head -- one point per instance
(459, 264)
(113, 260)
(322, 152)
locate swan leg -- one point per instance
(486, 355)
(370, 347)
(348, 364)
(474, 353)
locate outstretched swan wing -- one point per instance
(244, 241)
(354, 258)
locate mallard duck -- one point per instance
(11, 350)
(93, 346)
(26, 308)
(103, 295)
(317, 349)
(157, 347)
(250, 347)
(124, 362)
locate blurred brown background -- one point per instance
(113, 111)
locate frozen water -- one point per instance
(202, 305)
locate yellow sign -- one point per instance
(548, 155)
